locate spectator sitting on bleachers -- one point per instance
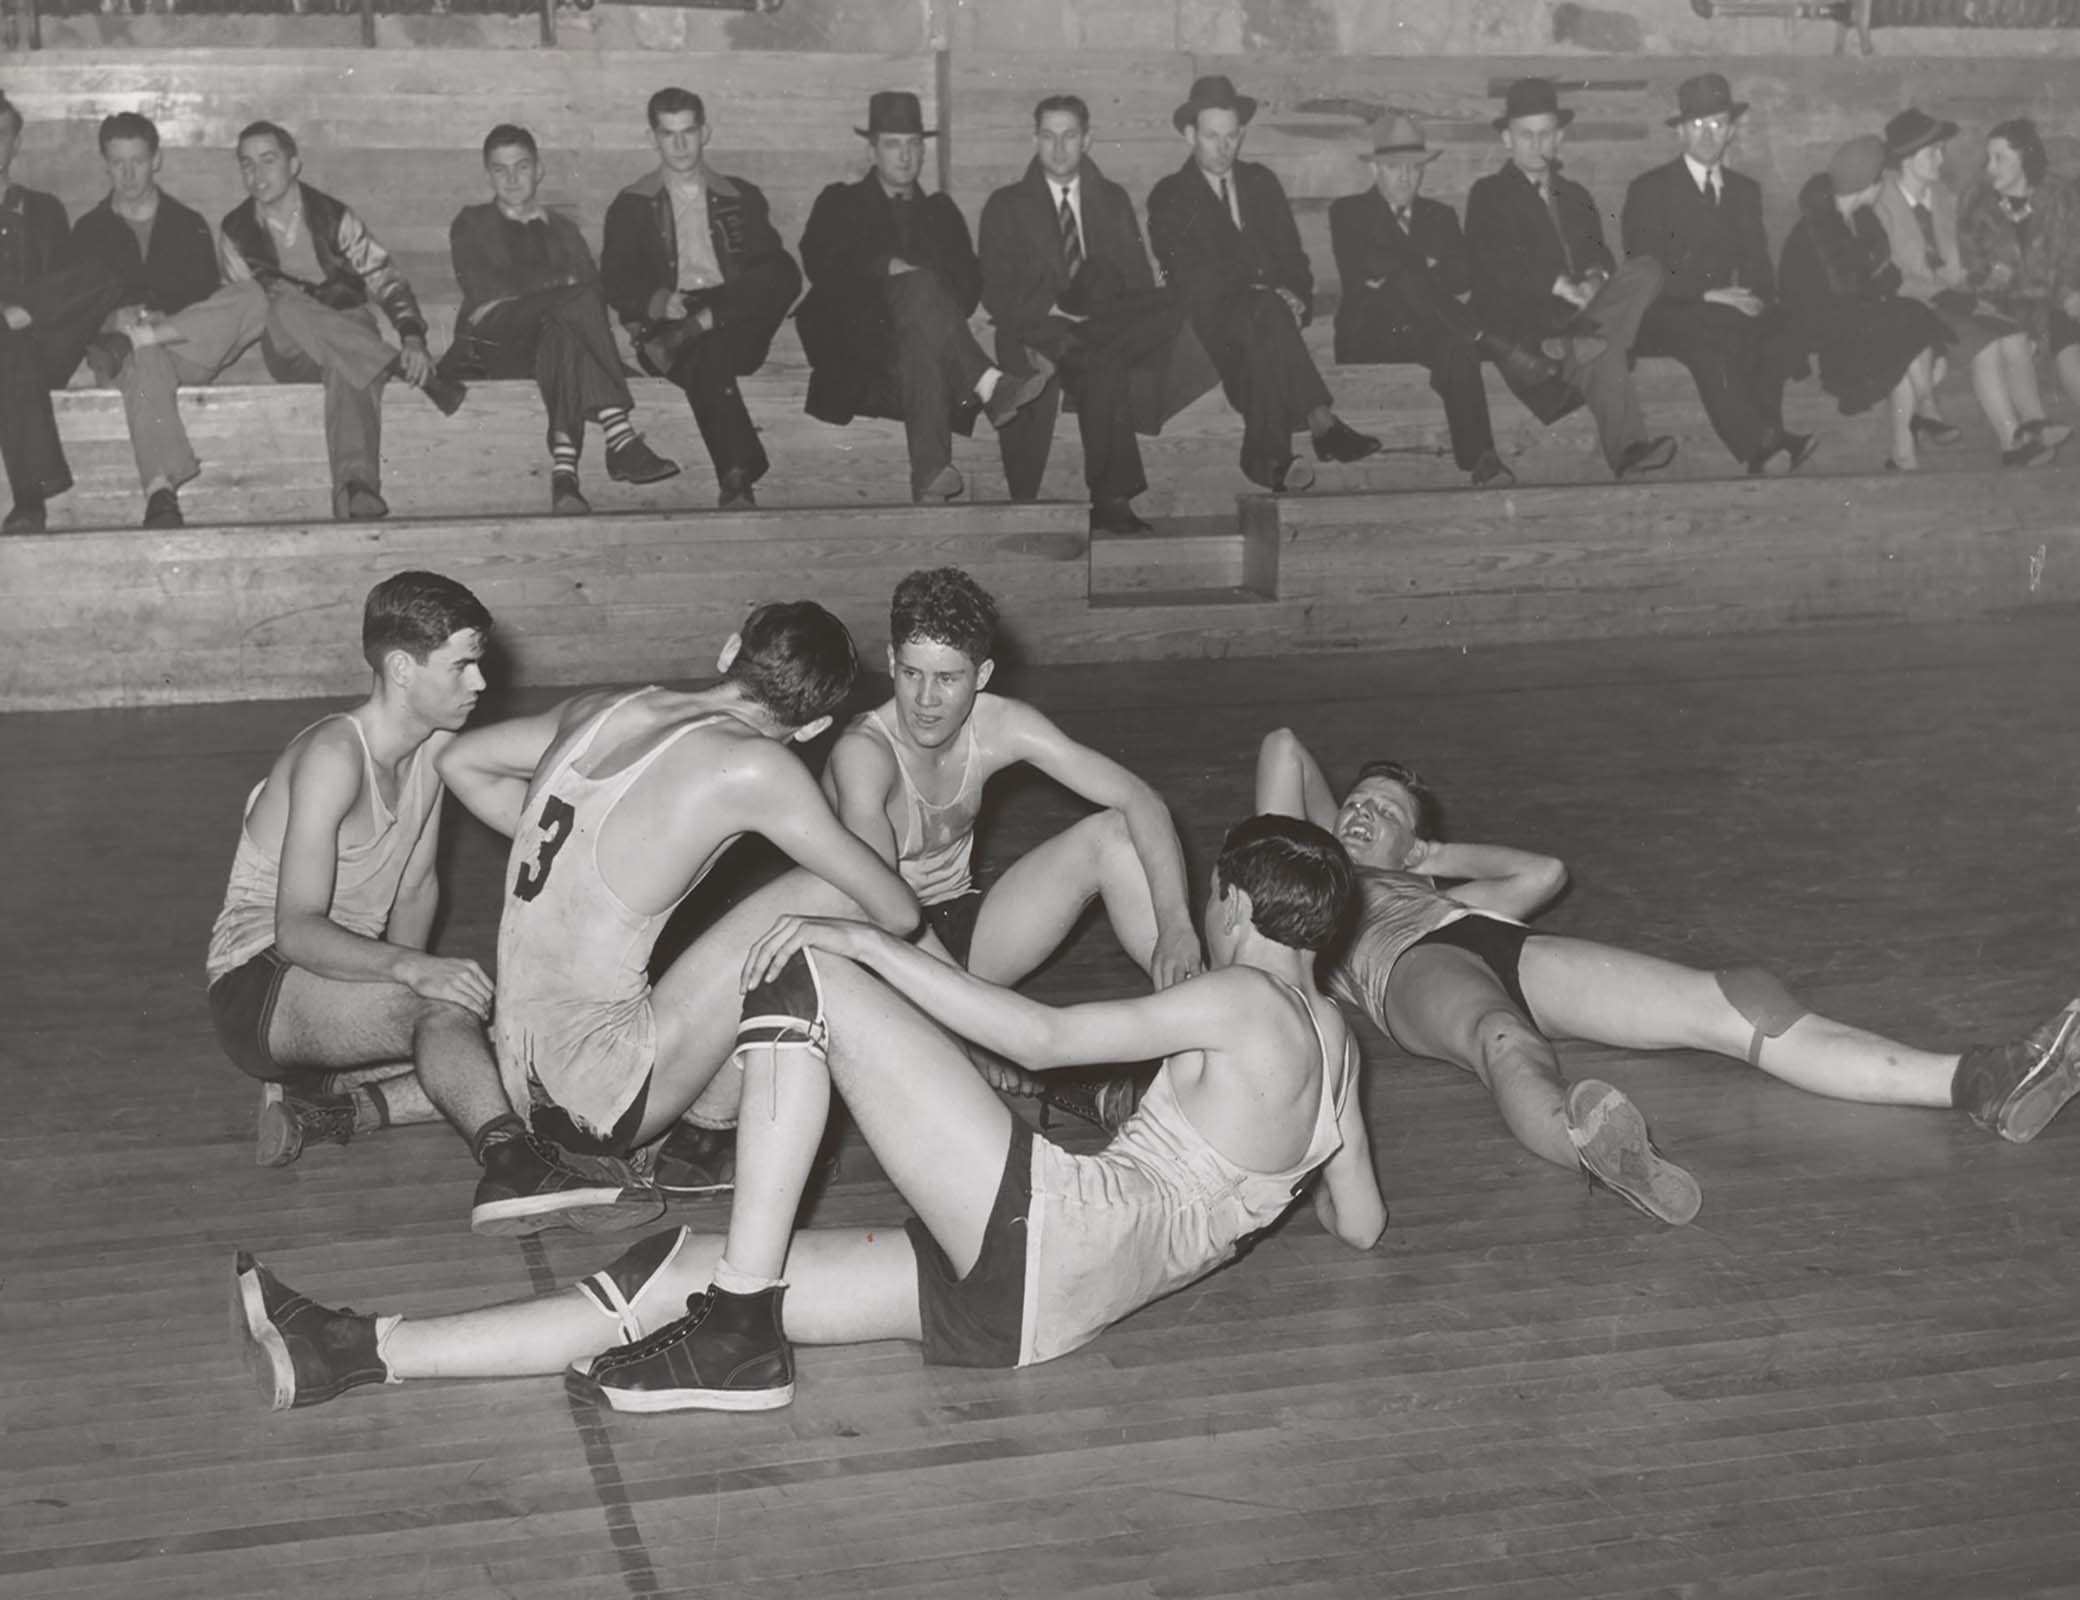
(532, 308)
(1841, 291)
(165, 257)
(1703, 223)
(1402, 263)
(1542, 276)
(893, 279)
(1920, 217)
(49, 308)
(319, 267)
(2018, 230)
(696, 273)
(1223, 233)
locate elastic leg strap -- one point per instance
(1763, 1002)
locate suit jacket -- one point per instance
(33, 239)
(1919, 280)
(1699, 246)
(179, 269)
(639, 254)
(1516, 256)
(1207, 260)
(847, 331)
(1023, 273)
(1370, 244)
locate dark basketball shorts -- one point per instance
(954, 922)
(979, 1320)
(1498, 943)
(241, 1004)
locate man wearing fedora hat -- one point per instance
(1716, 312)
(1223, 233)
(1402, 263)
(893, 279)
(1542, 276)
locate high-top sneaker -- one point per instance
(287, 1122)
(726, 1354)
(529, 1185)
(301, 1353)
(1611, 1142)
(2015, 1089)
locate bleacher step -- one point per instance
(1223, 595)
(1190, 553)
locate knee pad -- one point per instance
(622, 1290)
(785, 1012)
(1763, 1002)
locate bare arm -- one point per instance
(488, 769)
(1290, 781)
(859, 779)
(418, 892)
(1347, 1199)
(1513, 883)
(1028, 736)
(774, 796)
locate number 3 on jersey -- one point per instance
(557, 818)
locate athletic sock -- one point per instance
(371, 1109)
(730, 1281)
(157, 483)
(614, 423)
(385, 1326)
(500, 1128)
(563, 456)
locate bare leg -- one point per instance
(1580, 990)
(398, 1083)
(1989, 383)
(1903, 401)
(1031, 908)
(2068, 364)
(2019, 366)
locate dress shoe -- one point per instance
(2025, 453)
(1646, 455)
(1489, 472)
(447, 394)
(945, 484)
(355, 501)
(1341, 442)
(1294, 476)
(734, 491)
(2052, 433)
(1013, 394)
(1798, 448)
(566, 499)
(636, 462)
(1527, 369)
(26, 517)
(1116, 516)
(1934, 430)
(162, 509)
(106, 353)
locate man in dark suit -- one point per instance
(1542, 277)
(1703, 223)
(1402, 263)
(893, 279)
(1224, 236)
(690, 263)
(1064, 274)
(50, 306)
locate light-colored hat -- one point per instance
(1398, 137)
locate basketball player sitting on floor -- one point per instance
(1019, 1251)
(1454, 974)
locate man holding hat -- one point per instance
(893, 280)
(1703, 223)
(1542, 276)
(1402, 263)
(1223, 233)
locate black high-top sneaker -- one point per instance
(726, 1354)
(528, 1186)
(2015, 1089)
(287, 1122)
(301, 1353)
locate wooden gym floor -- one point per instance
(1855, 1374)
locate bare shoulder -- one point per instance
(1009, 730)
(862, 758)
(328, 752)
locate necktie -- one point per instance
(1932, 251)
(1545, 195)
(1072, 240)
(1228, 204)
(1401, 216)
(1711, 189)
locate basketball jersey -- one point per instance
(937, 841)
(1395, 909)
(1156, 1209)
(573, 958)
(364, 884)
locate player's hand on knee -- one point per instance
(458, 982)
(1175, 958)
(779, 944)
(1000, 1074)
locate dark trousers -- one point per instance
(1414, 322)
(562, 340)
(937, 364)
(1266, 373)
(1094, 361)
(66, 310)
(748, 311)
(1736, 362)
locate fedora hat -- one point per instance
(894, 111)
(1706, 95)
(1215, 93)
(1532, 97)
(1399, 138)
(1914, 129)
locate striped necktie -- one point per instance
(1072, 238)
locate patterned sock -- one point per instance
(563, 456)
(496, 1131)
(614, 423)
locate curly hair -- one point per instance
(944, 606)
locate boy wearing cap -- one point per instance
(1542, 276)
(1402, 263)
(893, 280)
(1715, 313)
(1223, 234)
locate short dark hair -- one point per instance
(666, 102)
(796, 660)
(2020, 134)
(1424, 796)
(944, 606)
(417, 612)
(1299, 881)
(1063, 102)
(270, 130)
(129, 125)
(9, 109)
(509, 134)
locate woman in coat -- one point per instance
(2018, 230)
